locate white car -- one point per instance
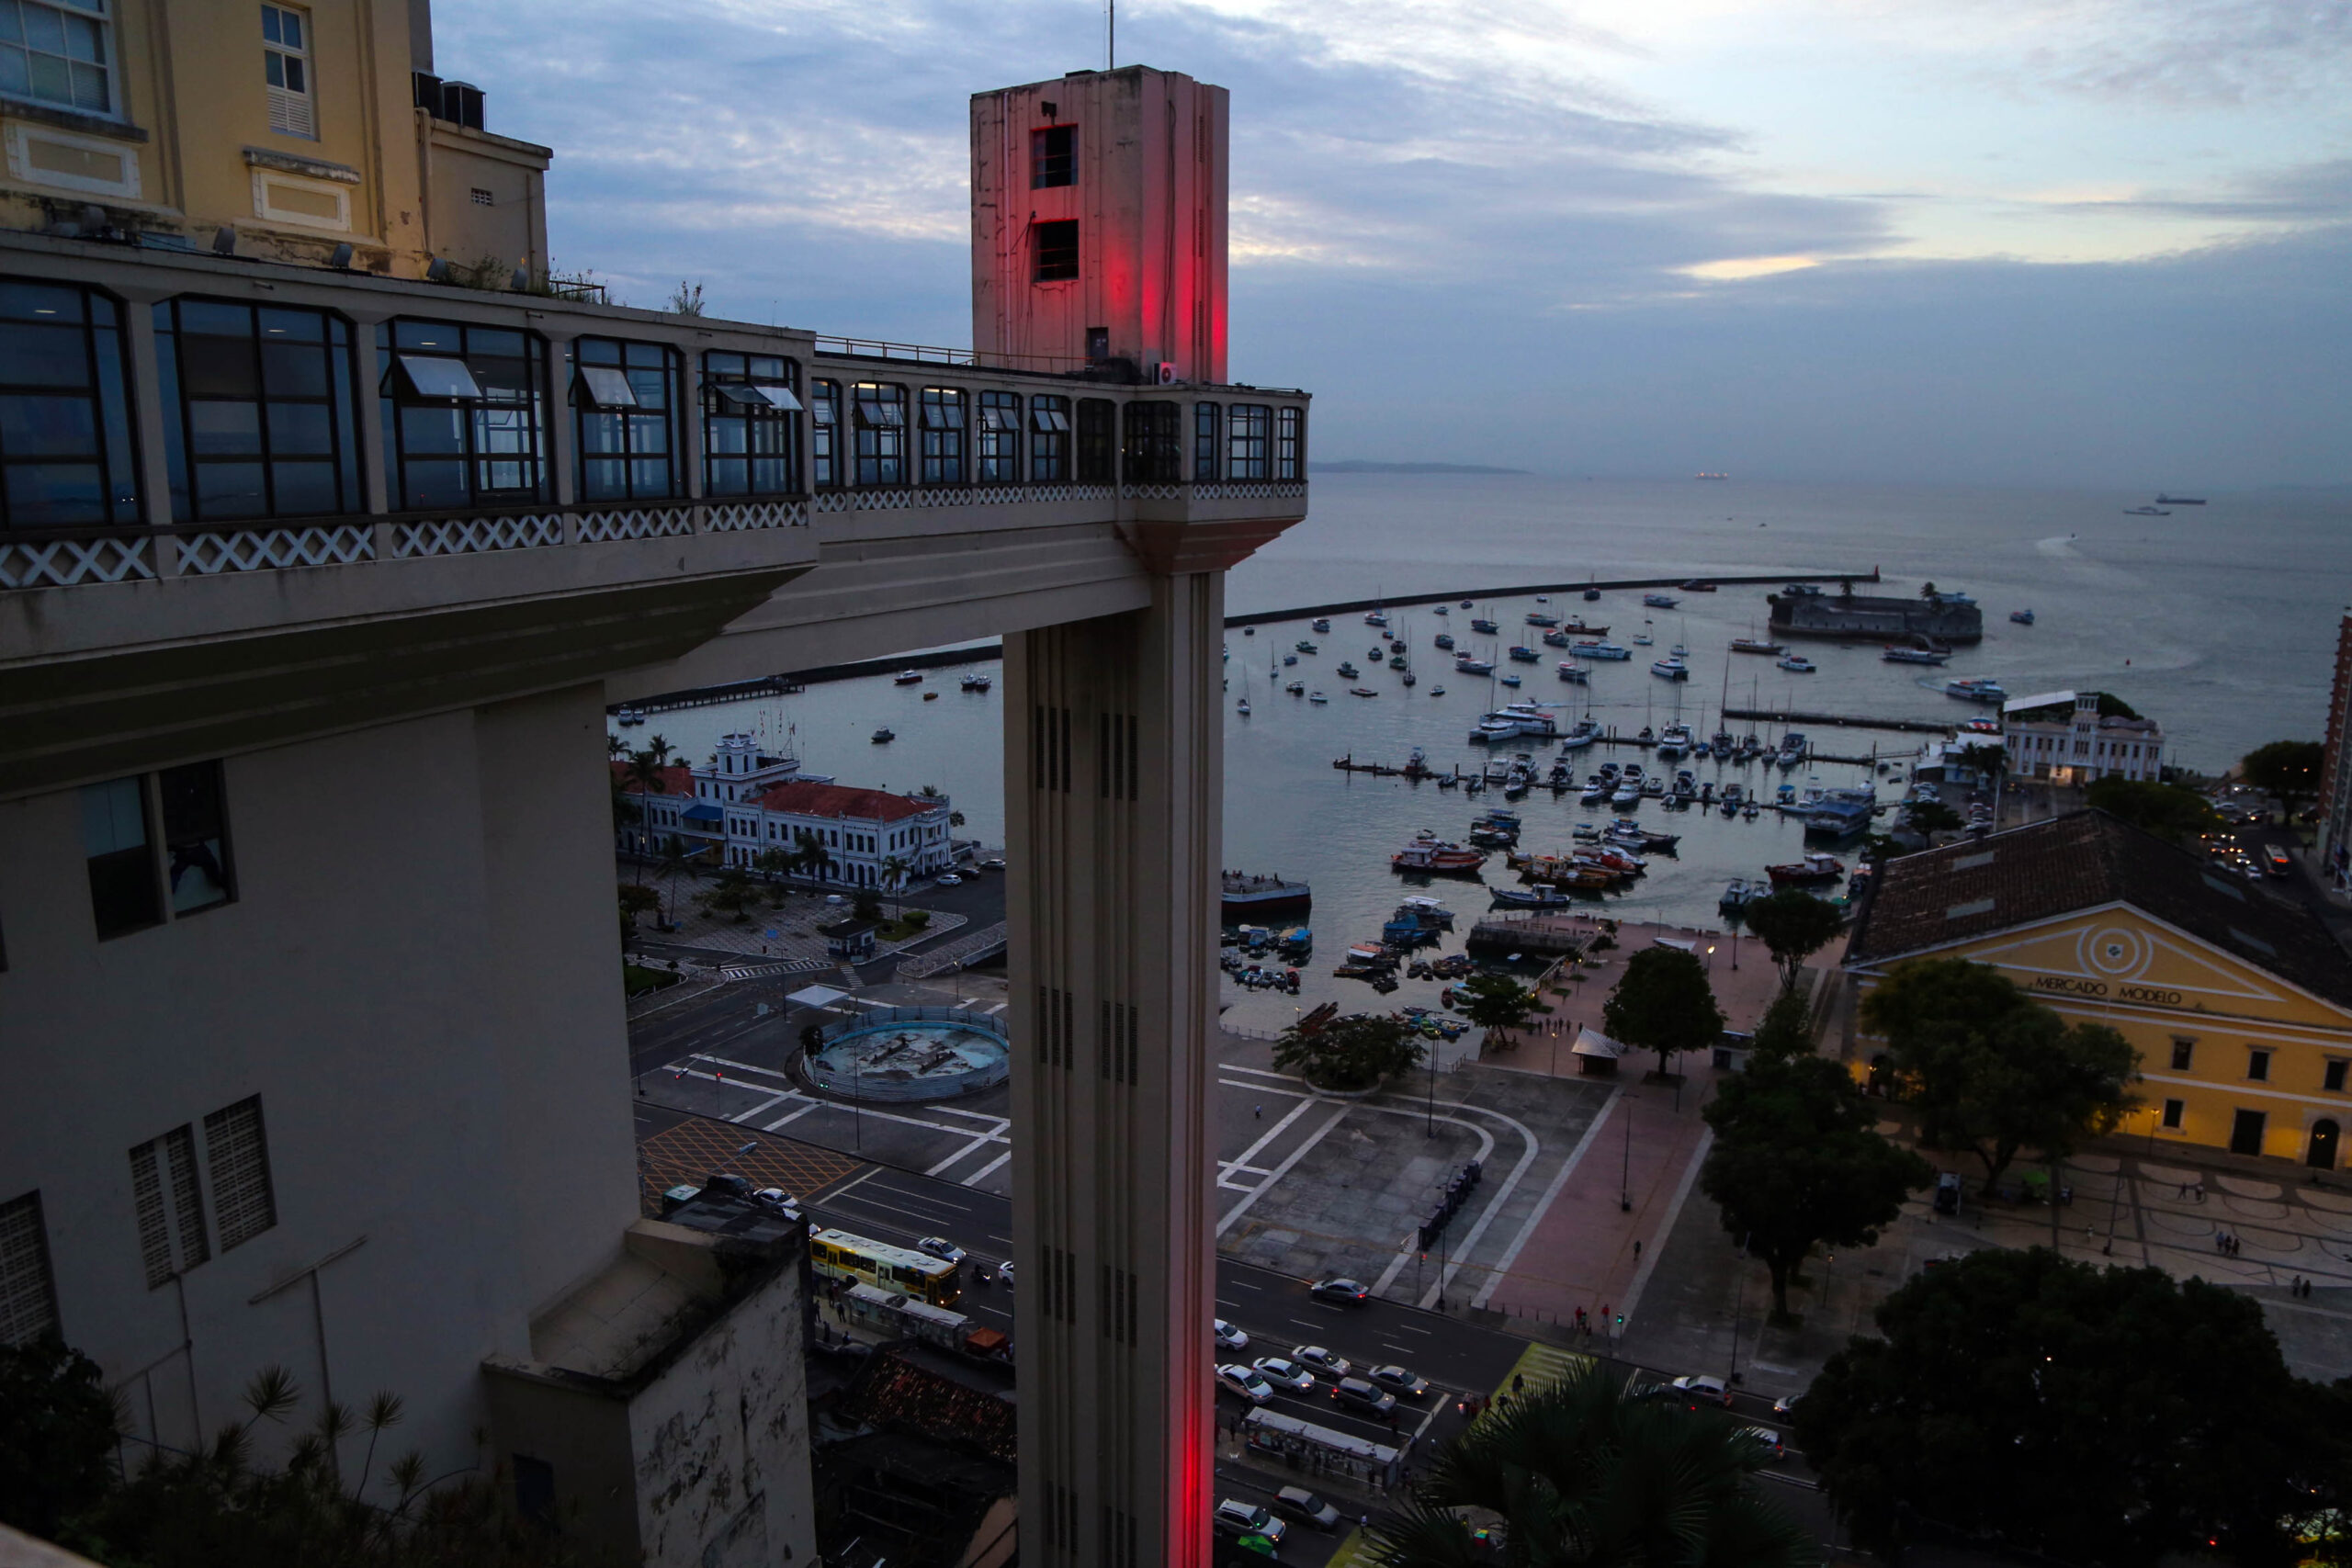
(1767, 1440)
(1284, 1374)
(835, 899)
(1399, 1382)
(1004, 1272)
(1245, 1381)
(1703, 1390)
(1230, 1338)
(1331, 1363)
(949, 879)
(1247, 1518)
(994, 862)
(939, 1247)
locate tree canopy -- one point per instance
(1495, 1001)
(2097, 1416)
(2168, 811)
(1785, 1030)
(1663, 1003)
(2287, 769)
(1796, 1165)
(1588, 1474)
(1991, 1070)
(1793, 925)
(57, 1436)
(1351, 1052)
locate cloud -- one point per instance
(1739, 269)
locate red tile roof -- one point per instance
(677, 779)
(805, 799)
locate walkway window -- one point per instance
(1154, 450)
(27, 1283)
(130, 880)
(66, 454)
(117, 839)
(1290, 444)
(825, 434)
(1049, 435)
(60, 53)
(1053, 157)
(881, 433)
(999, 439)
(1056, 250)
(258, 406)
(1098, 457)
(751, 434)
(464, 415)
(625, 398)
(942, 436)
(1247, 426)
(1208, 430)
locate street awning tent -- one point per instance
(815, 997)
(702, 811)
(1589, 1044)
(1680, 943)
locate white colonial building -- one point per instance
(745, 803)
(2063, 738)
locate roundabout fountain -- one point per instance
(909, 1053)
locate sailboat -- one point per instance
(1642, 638)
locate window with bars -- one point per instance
(1048, 438)
(257, 411)
(464, 415)
(57, 51)
(625, 399)
(881, 433)
(286, 68)
(1208, 432)
(66, 453)
(169, 1204)
(942, 436)
(1053, 157)
(236, 1149)
(1154, 448)
(1290, 444)
(1248, 431)
(824, 434)
(27, 1287)
(997, 440)
(751, 437)
(1098, 437)
(1056, 250)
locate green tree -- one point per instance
(2286, 769)
(636, 899)
(1586, 1473)
(1786, 1029)
(734, 893)
(894, 877)
(669, 856)
(1933, 816)
(1663, 1003)
(615, 746)
(2166, 810)
(810, 855)
(1495, 1001)
(57, 1436)
(1351, 1052)
(1989, 758)
(2105, 1416)
(1793, 925)
(865, 904)
(774, 863)
(1991, 1070)
(1795, 1165)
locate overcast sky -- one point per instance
(2100, 241)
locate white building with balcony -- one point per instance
(2075, 738)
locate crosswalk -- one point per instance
(1540, 1364)
(788, 966)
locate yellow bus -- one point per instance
(839, 1255)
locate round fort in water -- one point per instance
(909, 1053)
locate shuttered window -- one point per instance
(170, 1205)
(238, 1151)
(286, 69)
(28, 1288)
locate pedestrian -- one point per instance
(1257, 1113)
(1517, 1381)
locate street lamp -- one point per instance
(1625, 1175)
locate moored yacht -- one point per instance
(1976, 689)
(1602, 650)
(1670, 669)
(1797, 664)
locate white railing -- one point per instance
(635, 523)
(473, 536)
(727, 517)
(274, 549)
(66, 563)
(1270, 490)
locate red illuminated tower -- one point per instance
(1098, 224)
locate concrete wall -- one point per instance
(421, 957)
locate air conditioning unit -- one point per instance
(1165, 374)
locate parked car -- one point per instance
(1230, 1338)
(1948, 1192)
(1284, 1374)
(1331, 1363)
(994, 862)
(1370, 1398)
(1346, 1292)
(1298, 1503)
(1236, 1517)
(1004, 1272)
(835, 899)
(1246, 1382)
(1786, 1405)
(777, 1199)
(1703, 1390)
(939, 1247)
(1399, 1382)
(1766, 1438)
(949, 879)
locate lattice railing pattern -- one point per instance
(470, 535)
(635, 523)
(65, 563)
(1277, 490)
(269, 549)
(1151, 492)
(987, 495)
(727, 517)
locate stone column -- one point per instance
(1114, 782)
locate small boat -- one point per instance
(1583, 733)
(1410, 678)
(1542, 598)
(1976, 689)
(1591, 594)
(1736, 896)
(907, 678)
(975, 682)
(1522, 654)
(1444, 639)
(1296, 688)
(1303, 645)
(1510, 679)
(1697, 585)
(1644, 639)
(1443, 611)
(1797, 664)
(1575, 626)
(1754, 645)
(1903, 653)
(1466, 665)
(1571, 671)
(1540, 896)
(2022, 617)
(1679, 652)
(1670, 669)
(1480, 624)
(1466, 603)
(1320, 624)
(628, 717)
(1556, 638)
(1347, 671)
(1248, 631)
(1362, 692)
(1604, 651)
(2180, 500)
(1398, 663)
(2145, 511)
(1316, 697)
(1242, 708)
(883, 736)
(1375, 617)
(1437, 690)
(1660, 601)
(931, 696)
(1537, 618)
(1815, 870)
(1431, 853)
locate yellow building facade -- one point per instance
(280, 131)
(2238, 1002)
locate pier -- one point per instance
(1553, 936)
(1843, 721)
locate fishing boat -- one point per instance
(1467, 665)
(1430, 854)
(2022, 617)
(1296, 688)
(1290, 659)
(1242, 708)
(1444, 639)
(1575, 627)
(1320, 624)
(1481, 625)
(1660, 601)
(1509, 680)
(1602, 650)
(1522, 654)
(1410, 678)
(1736, 894)
(1443, 611)
(1347, 671)
(1670, 669)
(976, 681)
(1754, 645)
(883, 736)
(1316, 697)
(1642, 640)
(1437, 690)
(1816, 870)
(931, 696)
(1538, 895)
(1797, 664)
(1590, 594)
(1572, 671)
(1976, 689)
(1908, 653)
(1556, 638)
(907, 678)
(1248, 896)
(1698, 585)
(1399, 662)
(1375, 617)
(1538, 619)
(1304, 645)
(1362, 692)
(2145, 511)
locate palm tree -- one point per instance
(670, 857)
(1587, 1473)
(894, 877)
(643, 775)
(615, 745)
(661, 749)
(813, 859)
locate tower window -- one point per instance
(1053, 156)
(1057, 250)
(285, 66)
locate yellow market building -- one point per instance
(2238, 1002)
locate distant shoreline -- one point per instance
(1357, 465)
